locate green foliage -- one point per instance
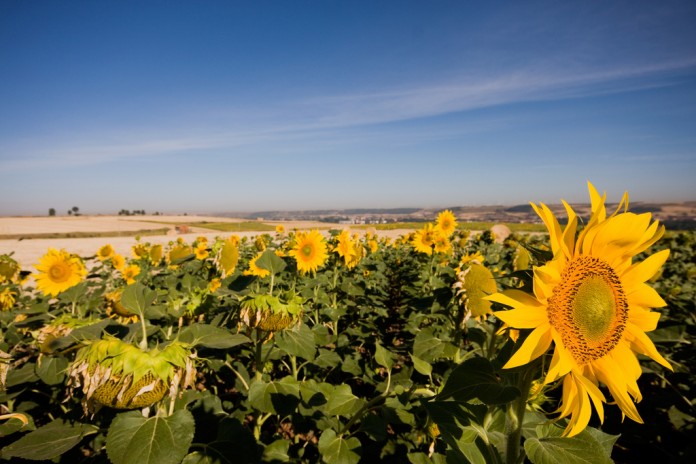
(378, 363)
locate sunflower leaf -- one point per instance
(475, 378)
(161, 440)
(271, 262)
(49, 441)
(137, 298)
(211, 336)
(338, 450)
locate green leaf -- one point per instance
(337, 450)
(157, 440)
(49, 441)
(275, 397)
(271, 262)
(383, 356)
(580, 449)
(422, 367)
(453, 420)
(13, 425)
(298, 341)
(25, 374)
(51, 369)
(343, 402)
(426, 346)
(605, 440)
(211, 336)
(277, 451)
(136, 298)
(475, 378)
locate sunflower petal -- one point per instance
(645, 320)
(610, 374)
(515, 298)
(646, 297)
(534, 346)
(644, 270)
(523, 318)
(640, 343)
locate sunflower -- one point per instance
(280, 229)
(442, 243)
(179, 252)
(270, 313)
(348, 249)
(309, 251)
(130, 273)
(58, 271)
(474, 282)
(593, 303)
(118, 261)
(156, 254)
(105, 252)
(201, 250)
(140, 250)
(9, 269)
(7, 299)
(446, 222)
(116, 310)
(113, 373)
(227, 257)
(254, 270)
(214, 284)
(424, 240)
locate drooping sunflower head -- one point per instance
(140, 250)
(446, 222)
(309, 251)
(9, 269)
(113, 373)
(7, 299)
(58, 271)
(227, 257)
(178, 253)
(592, 301)
(105, 252)
(270, 313)
(474, 282)
(156, 254)
(118, 261)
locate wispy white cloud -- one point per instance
(332, 118)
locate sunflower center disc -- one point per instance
(58, 273)
(307, 250)
(588, 308)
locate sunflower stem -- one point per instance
(515, 415)
(143, 342)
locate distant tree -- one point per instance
(51, 211)
(76, 210)
(69, 212)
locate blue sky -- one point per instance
(282, 105)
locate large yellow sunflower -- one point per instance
(593, 303)
(446, 222)
(309, 251)
(105, 252)
(58, 271)
(254, 269)
(424, 239)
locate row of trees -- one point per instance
(75, 211)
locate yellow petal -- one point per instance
(515, 299)
(552, 226)
(524, 318)
(598, 210)
(594, 393)
(569, 231)
(640, 343)
(645, 296)
(562, 361)
(645, 320)
(534, 346)
(610, 374)
(644, 270)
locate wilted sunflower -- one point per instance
(118, 261)
(309, 251)
(7, 299)
(227, 257)
(446, 222)
(113, 373)
(105, 252)
(9, 269)
(58, 271)
(254, 270)
(270, 313)
(593, 303)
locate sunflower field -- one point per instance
(442, 346)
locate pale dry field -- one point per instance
(28, 251)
